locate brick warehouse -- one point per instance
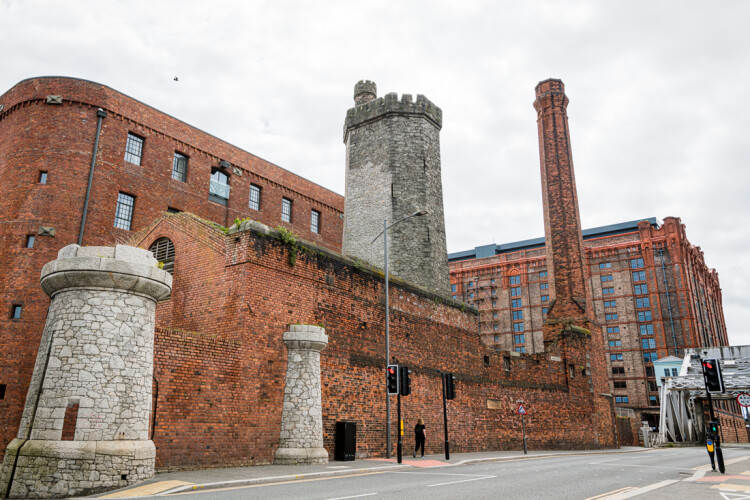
(48, 127)
(210, 353)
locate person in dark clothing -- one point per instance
(419, 436)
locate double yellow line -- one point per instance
(611, 494)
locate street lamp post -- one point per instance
(386, 227)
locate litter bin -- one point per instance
(345, 446)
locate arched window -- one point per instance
(163, 251)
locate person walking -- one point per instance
(419, 436)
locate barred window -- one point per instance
(517, 314)
(544, 286)
(515, 292)
(179, 167)
(520, 348)
(515, 280)
(124, 211)
(542, 274)
(545, 298)
(605, 265)
(314, 221)
(608, 291)
(640, 289)
(519, 339)
(286, 210)
(606, 277)
(255, 197)
(642, 302)
(636, 263)
(644, 315)
(163, 251)
(639, 275)
(647, 329)
(613, 329)
(518, 327)
(610, 317)
(134, 149)
(516, 303)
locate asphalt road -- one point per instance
(661, 473)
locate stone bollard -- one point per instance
(85, 425)
(301, 436)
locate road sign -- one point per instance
(521, 410)
(743, 399)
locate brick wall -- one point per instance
(59, 140)
(220, 359)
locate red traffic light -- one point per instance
(708, 365)
(391, 370)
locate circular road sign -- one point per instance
(743, 399)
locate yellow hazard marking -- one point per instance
(732, 487)
(613, 493)
(146, 489)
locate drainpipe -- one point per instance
(669, 305)
(101, 114)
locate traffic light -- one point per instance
(712, 376)
(405, 382)
(450, 390)
(392, 374)
(713, 427)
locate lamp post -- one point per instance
(386, 227)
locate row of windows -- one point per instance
(667, 372)
(514, 280)
(648, 357)
(634, 264)
(218, 187)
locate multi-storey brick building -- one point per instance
(653, 296)
(83, 163)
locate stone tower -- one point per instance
(570, 329)
(85, 426)
(392, 171)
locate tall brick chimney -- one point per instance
(562, 221)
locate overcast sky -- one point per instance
(656, 89)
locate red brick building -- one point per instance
(145, 163)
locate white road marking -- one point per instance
(733, 496)
(354, 496)
(641, 491)
(637, 465)
(462, 481)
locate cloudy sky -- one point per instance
(654, 88)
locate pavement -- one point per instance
(206, 479)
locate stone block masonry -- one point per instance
(393, 170)
(86, 420)
(301, 437)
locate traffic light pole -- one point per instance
(400, 428)
(445, 419)
(387, 343)
(716, 436)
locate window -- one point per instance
(605, 265)
(615, 357)
(613, 329)
(610, 303)
(172, 210)
(618, 370)
(620, 384)
(495, 326)
(494, 315)
(30, 241)
(515, 292)
(453, 288)
(666, 372)
(642, 302)
(42, 177)
(494, 303)
(497, 338)
(286, 210)
(649, 371)
(516, 303)
(674, 372)
(494, 292)
(255, 198)
(640, 289)
(314, 221)
(647, 329)
(506, 363)
(492, 281)
(652, 401)
(644, 315)
(163, 251)
(571, 370)
(608, 291)
(471, 295)
(15, 311)
(218, 190)
(649, 357)
(520, 348)
(610, 317)
(134, 149)
(606, 277)
(124, 211)
(515, 280)
(542, 274)
(639, 275)
(636, 263)
(517, 315)
(648, 343)
(544, 286)
(2, 391)
(621, 399)
(471, 284)
(545, 298)
(544, 310)
(519, 339)
(179, 167)
(517, 327)
(453, 297)
(615, 343)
